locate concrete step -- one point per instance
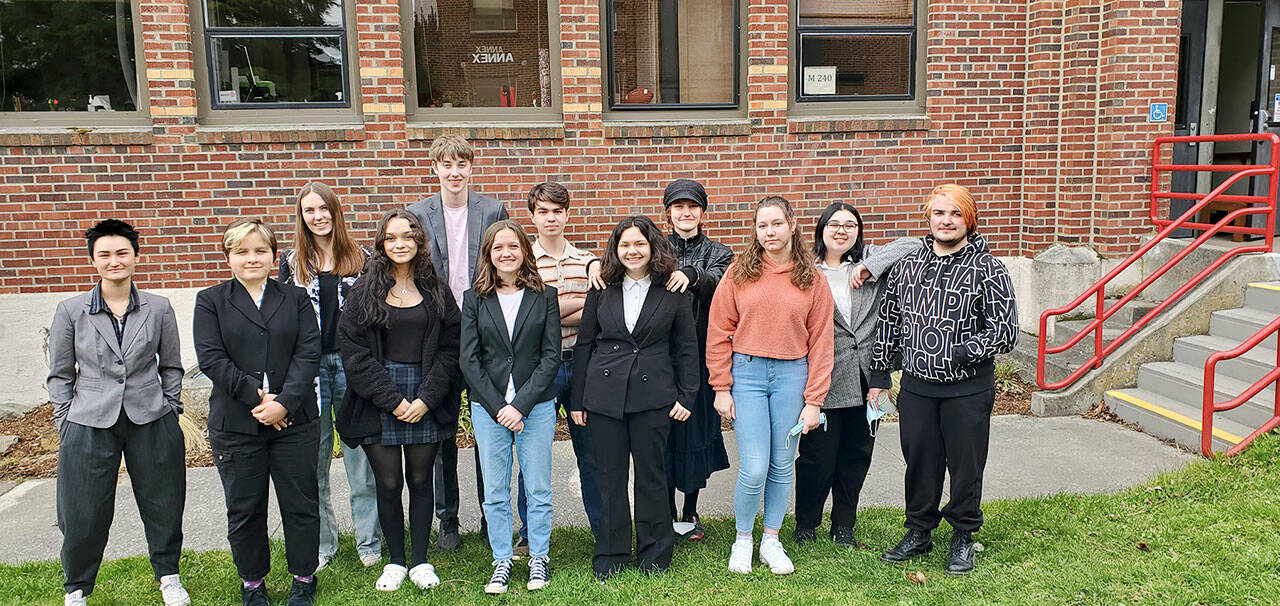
(1056, 366)
(1065, 330)
(1130, 313)
(1263, 296)
(1249, 368)
(1171, 419)
(1186, 384)
(1240, 324)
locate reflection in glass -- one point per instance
(274, 13)
(673, 52)
(482, 53)
(60, 55)
(855, 13)
(280, 69)
(865, 64)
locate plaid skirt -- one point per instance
(396, 432)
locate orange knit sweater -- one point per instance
(772, 318)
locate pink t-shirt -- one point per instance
(455, 232)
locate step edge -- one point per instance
(1177, 417)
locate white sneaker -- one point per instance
(172, 591)
(772, 553)
(75, 598)
(740, 556)
(370, 559)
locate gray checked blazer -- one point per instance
(482, 211)
(91, 377)
(855, 338)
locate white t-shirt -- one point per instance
(510, 308)
(455, 233)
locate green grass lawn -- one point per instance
(1209, 534)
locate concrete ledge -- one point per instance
(62, 137)
(677, 128)
(212, 135)
(857, 124)
(511, 131)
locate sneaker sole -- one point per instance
(531, 586)
(495, 590)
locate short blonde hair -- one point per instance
(241, 228)
(451, 146)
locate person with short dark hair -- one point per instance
(259, 343)
(635, 370)
(115, 380)
(947, 311)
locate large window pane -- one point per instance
(668, 52)
(847, 13)
(274, 13)
(857, 64)
(278, 69)
(482, 53)
(60, 55)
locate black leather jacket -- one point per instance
(704, 261)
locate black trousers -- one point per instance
(88, 468)
(287, 459)
(446, 485)
(833, 462)
(941, 435)
(640, 439)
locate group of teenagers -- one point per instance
(645, 348)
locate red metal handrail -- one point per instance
(1098, 290)
(1210, 406)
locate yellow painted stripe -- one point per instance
(1265, 285)
(1169, 414)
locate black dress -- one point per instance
(696, 447)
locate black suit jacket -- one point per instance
(531, 359)
(617, 371)
(236, 343)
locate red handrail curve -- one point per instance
(1098, 290)
(1210, 406)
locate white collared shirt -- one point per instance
(633, 294)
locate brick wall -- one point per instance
(1039, 107)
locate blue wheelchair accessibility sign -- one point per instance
(1159, 112)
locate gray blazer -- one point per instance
(91, 377)
(855, 338)
(482, 211)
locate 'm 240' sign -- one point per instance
(491, 54)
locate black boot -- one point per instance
(913, 545)
(843, 536)
(961, 560)
(256, 596)
(804, 535)
(302, 593)
(448, 538)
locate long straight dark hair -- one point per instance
(820, 248)
(662, 257)
(369, 295)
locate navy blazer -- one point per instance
(531, 359)
(617, 371)
(236, 343)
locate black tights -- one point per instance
(690, 503)
(419, 460)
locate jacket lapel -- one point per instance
(272, 299)
(435, 228)
(839, 317)
(527, 302)
(102, 323)
(475, 230)
(494, 308)
(239, 299)
(133, 326)
(646, 309)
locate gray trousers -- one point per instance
(88, 468)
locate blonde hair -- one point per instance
(348, 259)
(960, 196)
(241, 228)
(451, 146)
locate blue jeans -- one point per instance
(581, 451)
(768, 396)
(364, 498)
(533, 452)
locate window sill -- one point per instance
(215, 135)
(64, 136)
(676, 128)
(857, 124)
(487, 130)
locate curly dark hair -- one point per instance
(369, 294)
(662, 257)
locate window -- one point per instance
(64, 56)
(276, 53)
(672, 54)
(483, 58)
(857, 50)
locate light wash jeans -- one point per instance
(533, 452)
(768, 396)
(364, 497)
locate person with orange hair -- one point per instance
(948, 309)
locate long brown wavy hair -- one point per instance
(487, 280)
(748, 266)
(348, 259)
(368, 299)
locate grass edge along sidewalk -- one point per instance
(1208, 534)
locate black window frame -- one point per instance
(212, 32)
(609, 74)
(803, 31)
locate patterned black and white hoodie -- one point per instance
(944, 319)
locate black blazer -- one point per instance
(236, 343)
(617, 372)
(531, 358)
(370, 390)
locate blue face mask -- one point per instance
(877, 410)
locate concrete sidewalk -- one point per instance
(1029, 457)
